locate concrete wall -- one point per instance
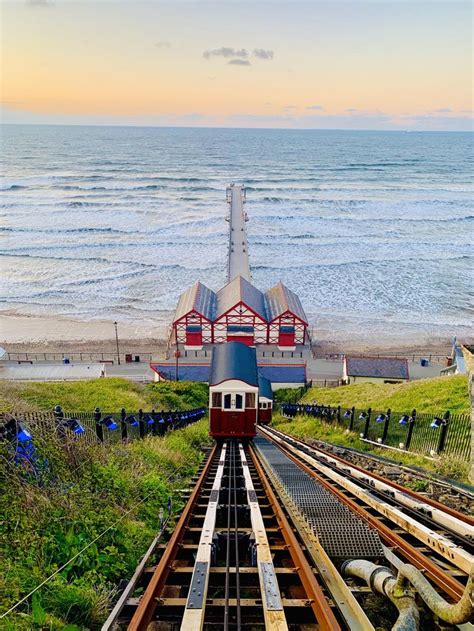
(373, 380)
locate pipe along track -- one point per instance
(272, 537)
(417, 533)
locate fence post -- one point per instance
(59, 418)
(411, 425)
(443, 431)
(351, 422)
(141, 422)
(338, 415)
(385, 426)
(123, 425)
(367, 423)
(99, 430)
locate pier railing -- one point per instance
(425, 434)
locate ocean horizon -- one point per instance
(372, 229)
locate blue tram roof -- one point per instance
(264, 387)
(234, 360)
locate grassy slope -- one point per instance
(426, 395)
(309, 427)
(86, 489)
(109, 394)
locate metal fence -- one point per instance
(96, 427)
(79, 356)
(425, 434)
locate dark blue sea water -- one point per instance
(372, 229)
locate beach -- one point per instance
(49, 334)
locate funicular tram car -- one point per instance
(265, 400)
(233, 391)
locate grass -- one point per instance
(109, 394)
(84, 490)
(425, 395)
(314, 428)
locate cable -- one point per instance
(78, 554)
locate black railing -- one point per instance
(426, 434)
(95, 427)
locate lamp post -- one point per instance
(117, 341)
(177, 354)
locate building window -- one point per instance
(263, 406)
(216, 400)
(250, 400)
(239, 401)
(227, 402)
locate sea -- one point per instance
(373, 230)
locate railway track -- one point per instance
(414, 529)
(270, 531)
(233, 561)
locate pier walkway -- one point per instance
(238, 259)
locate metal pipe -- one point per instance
(382, 580)
(457, 613)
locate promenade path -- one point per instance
(238, 259)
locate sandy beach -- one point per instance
(20, 333)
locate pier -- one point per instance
(238, 259)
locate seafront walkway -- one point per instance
(238, 259)
(317, 369)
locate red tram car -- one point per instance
(233, 391)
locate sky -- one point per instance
(316, 64)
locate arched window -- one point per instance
(239, 400)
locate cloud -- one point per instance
(39, 3)
(443, 110)
(315, 107)
(290, 107)
(261, 53)
(163, 44)
(351, 110)
(239, 62)
(227, 52)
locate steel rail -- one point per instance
(441, 544)
(322, 611)
(237, 560)
(456, 515)
(444, 581)
(148, 603)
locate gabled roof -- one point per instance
(280, 299)
(279, 373)
(264, 387)
(240, 290)
(197, 298)
(186, 372)
(234, 360)
(383, 367)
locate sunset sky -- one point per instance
(336, 64)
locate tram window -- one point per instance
(239, 400)
(250, 400)
(227, 402)
(216, 399)
(263, 406)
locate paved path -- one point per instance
(238, 248)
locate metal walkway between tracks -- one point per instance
(339, 531)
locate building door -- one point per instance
(193, 335)
(240, 333)
(286, 336)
